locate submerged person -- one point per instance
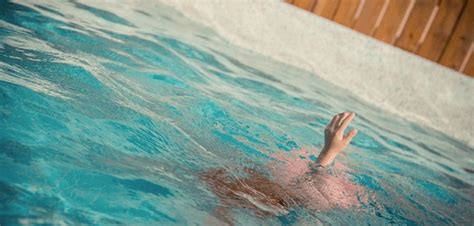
(294, 182)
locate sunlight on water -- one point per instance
(112, 113)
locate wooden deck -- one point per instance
(439, 30)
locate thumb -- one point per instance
(350, 135)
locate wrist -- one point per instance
(323, 164)
(326, 157)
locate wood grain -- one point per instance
(461, 40)
(416, 24)
(326, 8)
(368, 16)
(392, 20)
(346, 12)
(305, 4)
(442, 27)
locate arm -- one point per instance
(335, 141)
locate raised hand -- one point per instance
(335, 140)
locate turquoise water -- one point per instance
(109, 113)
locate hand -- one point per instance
(335, 141)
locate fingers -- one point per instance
(341, 120)
(336, 120)
(350, 135)
(345, 123)
(342, 116)
(333, 122)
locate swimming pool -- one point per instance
(110, 114)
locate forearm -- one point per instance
(326, 157)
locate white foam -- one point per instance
(397, 81)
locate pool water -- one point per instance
(110, 113)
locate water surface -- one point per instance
(109, 112)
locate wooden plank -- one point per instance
(305, 4)
(397, 11)
(469, 67)
(326, 8)
(346, 12)
(460, 41)
(289, 1)
(367, 20)
(419, 18)
(442, 27)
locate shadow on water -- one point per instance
(16, 151)
(106, 15)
